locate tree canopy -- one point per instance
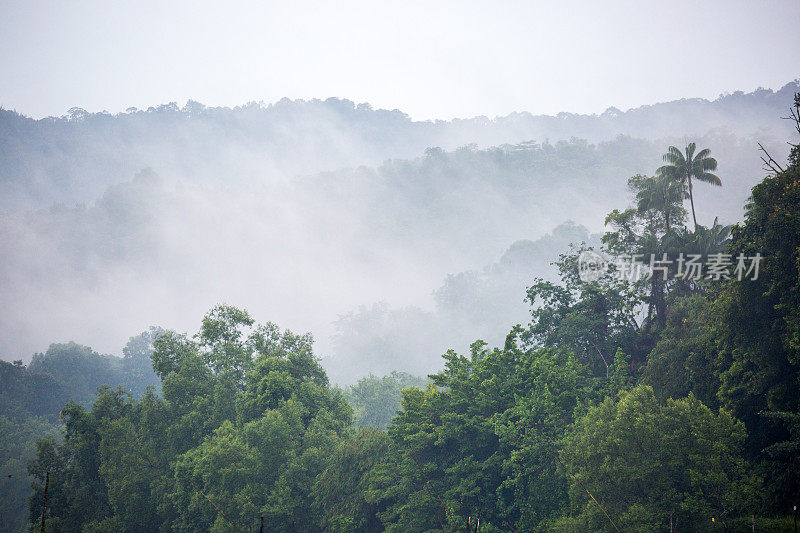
(663, 402)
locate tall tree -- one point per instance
(690, 166)
(652, 228)
(661, 195)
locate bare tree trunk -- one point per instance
(44, 504)
(691, 199)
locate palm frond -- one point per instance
(702, 154)
(670, 172)
(708, 163)
(673, 155)
(690, 151)
(708, 177)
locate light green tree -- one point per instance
(651, 465)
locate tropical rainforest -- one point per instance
(391, 239)
(657, 403)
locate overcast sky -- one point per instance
(429, 59)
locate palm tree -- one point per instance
(663, 195)
(707, 241)
(684, 168)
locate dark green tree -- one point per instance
(686, 166)
(758, 326)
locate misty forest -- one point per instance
(317, 316)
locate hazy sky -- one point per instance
(429, 59)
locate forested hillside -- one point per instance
(402, 267)
(342, 239)
(667, 401)
(74, 158)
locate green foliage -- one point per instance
(683, 167)
(591, 319)
(659, 195)
(137, 364)
(221, 336)
(344, 490)
(758, 325)
(17, 447)
(375, 400)
(684, 359)
(78, 368)
(466, 445)
(25, 394)
(654, 232)
(243, 429)
(583, 421)
(645, 461)
(71, 371)
(77, 494)
(33, 397)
